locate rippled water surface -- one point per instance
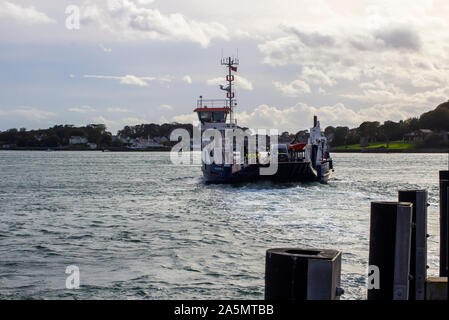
(140, 228)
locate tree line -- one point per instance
(56, 136)
(153, 130)
(373, 131)
(59, 135)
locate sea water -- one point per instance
(138, 227)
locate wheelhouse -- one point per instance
(212, 115)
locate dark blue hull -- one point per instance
(287, 172)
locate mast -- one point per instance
(231, 64)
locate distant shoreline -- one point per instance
(159, 149)
(167, 149)
(385, 150)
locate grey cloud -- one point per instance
(129, 21)
(312, 39)
(365, 43)
(400, 38)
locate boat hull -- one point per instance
(287, 172)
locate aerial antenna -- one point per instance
(231, 64)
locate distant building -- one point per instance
(123, 139)
(417, 135)
(143, 143)
(77, 140)
(92, 145)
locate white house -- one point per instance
(123, 139)
(92, 145)
(77, 140)
(142, 143)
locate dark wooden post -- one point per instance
(302, 274)
(418, 253)
(444, 214)
(389, 251)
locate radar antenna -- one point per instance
(231, 64)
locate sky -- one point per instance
(147, 61)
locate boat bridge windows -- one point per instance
(212, 115)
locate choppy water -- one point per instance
(138, 227)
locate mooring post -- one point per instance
(444, 213)
(302, 274)
(436, 288)
(418, 253)
(389, 250)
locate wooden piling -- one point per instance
(389, 251)
(444, 215)
(436, 288)
(302, 274)
(418, 252)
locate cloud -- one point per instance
(243, 83)
(29, 113)
(132, 121)
(317, 76)
(293, 89)
(127, 79)
(115, 125)
(165, 107)
(311, 39)
(299, 116)
(107, 50)
(240, 82)
(145, 2)
(310, 48)
(404, 54)
(117, 110)
(163, 120)
(82, 109)
(129, 21)
(186, 118)
(215, 81)
(399, 38)
(187, 79)
(27, 15)
(133, 80)
(388, 94)
(144, 81)
(110, 124)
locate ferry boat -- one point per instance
(296, 162)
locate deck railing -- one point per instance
(215, 103)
